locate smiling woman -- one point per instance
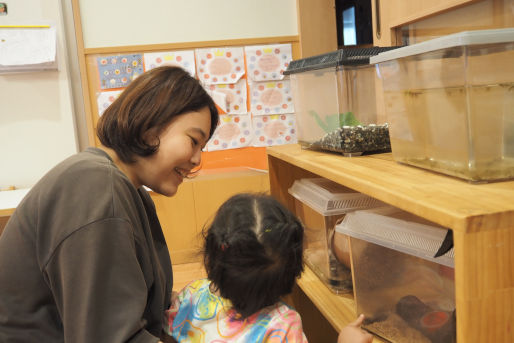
(95, 264)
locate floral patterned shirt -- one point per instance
(198, 316)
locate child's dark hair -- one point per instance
(253, 251)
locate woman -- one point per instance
(83, 258)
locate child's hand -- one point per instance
(352, 333)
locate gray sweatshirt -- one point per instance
(83, 259)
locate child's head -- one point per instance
(253, 251)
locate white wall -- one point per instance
(137, 22)
(37, 124)
(37, 127)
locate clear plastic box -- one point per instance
(450, 104)
(334, 96)
(320, 204)
(405, 293)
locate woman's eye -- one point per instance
(195, 142)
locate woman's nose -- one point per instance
(196, 159)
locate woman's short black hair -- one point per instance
(148, 105)
(253, 251)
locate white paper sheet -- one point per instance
(27, 46)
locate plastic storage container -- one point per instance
(334, 96)
(405, 293)
(450, 104)
(320, 204)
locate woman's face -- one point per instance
(181, 144)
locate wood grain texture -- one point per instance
(338, 309)
(448, 201)
(481, 217)
(178, 222)
(184, 215)
(316, 27)
(79, 37)
(210, 191)
(184, 273)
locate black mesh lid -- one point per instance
(344, 57)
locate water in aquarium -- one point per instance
(466, 132)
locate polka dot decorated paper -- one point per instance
(118, 71)
(233, 131)
(234, 96)
(220, 65)
(105, 99)
(184, 59)
(271, 97)
(275, 129)
(268, 62)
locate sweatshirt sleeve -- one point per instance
(99, 285)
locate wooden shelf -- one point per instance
(339, 309)
(481, 217)
(448, 201)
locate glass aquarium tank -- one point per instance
(335, 97)
(450, 104)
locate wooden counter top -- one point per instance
(445, 200)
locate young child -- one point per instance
(252, 254)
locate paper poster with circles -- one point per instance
(230, 98)
(273, 97)
(233, 131)
(105, 99)
(220, 65)
(118, 71)
(184, 59)
(268, 62)
(275, 129)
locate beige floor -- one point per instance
(185, 273)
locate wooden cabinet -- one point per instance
(316, 27)
(480, 216)
(184, 215)
(400, 22)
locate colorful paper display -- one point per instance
(273, 97)
(231, 98)
(220, 65)
(233, 131)
(274, 130)
(268, 62)
(105, 99)
(118, 71)
(183, 58)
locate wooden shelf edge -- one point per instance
(338, 309)
(447, 201)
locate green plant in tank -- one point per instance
(335, 121)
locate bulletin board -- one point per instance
(243, 76)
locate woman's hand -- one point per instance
(352, 333)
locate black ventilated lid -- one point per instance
(345, 57)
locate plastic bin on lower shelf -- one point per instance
(405, 293)
(320, 204)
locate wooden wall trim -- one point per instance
(192, 45)
(83, 71)
(90, 78)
